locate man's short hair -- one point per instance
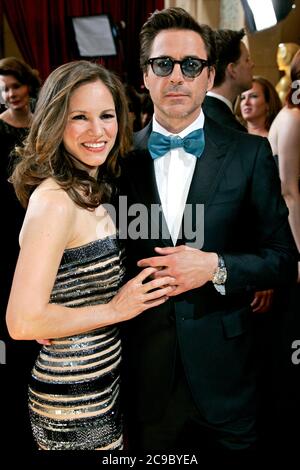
(228, 48)
(173, 18)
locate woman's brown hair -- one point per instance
(22, 72)
(44, 155)
(271, 98)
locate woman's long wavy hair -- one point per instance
(44, 155)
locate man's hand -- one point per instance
(262, 301)
(190, 267)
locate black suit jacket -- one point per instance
(246, 221)
(219, 112)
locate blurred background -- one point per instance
(41, 31)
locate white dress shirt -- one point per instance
(173, 173)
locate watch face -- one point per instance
(220, 276)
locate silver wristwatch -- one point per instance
(220, 276)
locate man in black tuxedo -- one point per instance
(233, 76)
(191, 370)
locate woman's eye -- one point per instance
(78, 116)
(108, 116)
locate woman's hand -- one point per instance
(135, 296)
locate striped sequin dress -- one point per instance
(74, 389)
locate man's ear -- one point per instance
(145, 76)
(231, 70)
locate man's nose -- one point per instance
(176, 75)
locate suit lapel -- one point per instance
(208, 172)
(145, 183)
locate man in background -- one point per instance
(233, 76)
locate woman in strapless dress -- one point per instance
(68, 282)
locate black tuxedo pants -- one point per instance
(182, 427)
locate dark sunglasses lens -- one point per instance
(192, 67)
(162, 67)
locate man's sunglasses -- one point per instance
(190, 67)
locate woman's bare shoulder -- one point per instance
(288, 115)
(49, 196)
(287, 121)
(50, 210)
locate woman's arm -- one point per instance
(47, 231)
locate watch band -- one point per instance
(221, 262)
(220, 276)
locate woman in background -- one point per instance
(257, 107)
(19, 85)
(284, 138)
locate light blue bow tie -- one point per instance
(159, 144)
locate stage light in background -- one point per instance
(263, 14)
(95, 35)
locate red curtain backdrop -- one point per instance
(42, 31)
